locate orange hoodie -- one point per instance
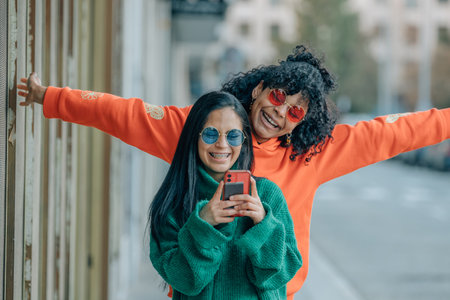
(156, 129)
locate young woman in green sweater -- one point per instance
(196, 244)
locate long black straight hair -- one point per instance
(178, 193)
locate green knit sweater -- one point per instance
(237, 260)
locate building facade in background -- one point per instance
(254, 27)
(405, 35)
(404, 38)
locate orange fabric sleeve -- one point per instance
(368, 142)
(153, 129)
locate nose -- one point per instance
(282, 109)
(222, 141)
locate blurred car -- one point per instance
(436, 156)
(415, 157)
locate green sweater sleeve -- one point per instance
(271, 245)
(189, 257)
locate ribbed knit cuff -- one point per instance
(205, 235)
(257, 236)
(51, 98)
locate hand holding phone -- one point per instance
(251, 205)
(237, 182)
(216, 211)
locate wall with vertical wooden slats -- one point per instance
(3, 137)
(74, 200)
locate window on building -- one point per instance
(444, 35)
(244, 28)
(411, 35)
(275, 32)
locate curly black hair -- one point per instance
(302, 72)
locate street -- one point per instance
(381, 233)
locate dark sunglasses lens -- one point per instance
(277, 97)
(235, 137)
(210, 135)
(296, 114)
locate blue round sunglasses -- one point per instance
(234, 137)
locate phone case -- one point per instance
(236, 182)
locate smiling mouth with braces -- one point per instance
(219, 156)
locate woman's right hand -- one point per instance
(218, 211)
(33, 91)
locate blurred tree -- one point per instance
(440, 79)
(333, 29)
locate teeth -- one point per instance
(272, 122)
(219, 155)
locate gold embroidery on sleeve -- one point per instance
(394, 117)
(89, 95)
(156, 112)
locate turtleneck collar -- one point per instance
(269, 145)
(207, 183)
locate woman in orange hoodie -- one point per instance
(296, 143)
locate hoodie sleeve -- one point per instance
(153, 129)
(368, 142)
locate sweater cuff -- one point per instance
(51, 98)
(204, 234)
(257, 236)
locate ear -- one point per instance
(257, 90)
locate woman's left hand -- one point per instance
(33, 91)
(252, 207)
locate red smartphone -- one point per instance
(236, 182)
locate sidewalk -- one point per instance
(324, 282)
(149, 287)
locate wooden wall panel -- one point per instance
(19, 205)
(56, 225)
(35, 48)
(3, 136)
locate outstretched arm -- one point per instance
(153, 129)
(368, 142)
